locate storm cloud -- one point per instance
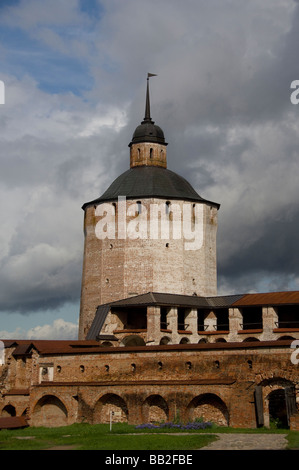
(74, 75)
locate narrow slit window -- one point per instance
(139, 207)
(167, 207)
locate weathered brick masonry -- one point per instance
(146, 384)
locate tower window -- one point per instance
(167, 207)
(151, 153)
(139, 207)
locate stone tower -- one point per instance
(149, 232)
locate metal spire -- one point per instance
(147, 117)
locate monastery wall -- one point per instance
(147, 384)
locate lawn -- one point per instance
(99, 437)
(122, 437)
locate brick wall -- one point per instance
(158, 383)
(116, 268)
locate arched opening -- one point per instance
(133, 340)
(184, 341)
(209, 407)
(49, 411)
(107, 404)
(165, 340)
(282, 338)
(250, 339)
(278, 409)
(8, 410)
(155, 409)
(276, 402)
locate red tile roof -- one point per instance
(268, 298)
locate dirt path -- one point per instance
(244, 441)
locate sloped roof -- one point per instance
(100, 317)
(52, 347)
(142, 182)
(268, 298)
(13, 422)
(25, 347)
(178, 300)
(159, 299)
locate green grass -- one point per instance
(99, 437)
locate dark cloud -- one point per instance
(222, 97)
(273, 255)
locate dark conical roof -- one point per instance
(149, 181)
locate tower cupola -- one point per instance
(148, 146)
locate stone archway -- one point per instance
(110, 403)
(185, 340)
(133, 340)
(282, 338)
(165, 340)
(155, 409)
(276, 402)
(8, 410)
(208, 407)
(278, 408)
(49, 411)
